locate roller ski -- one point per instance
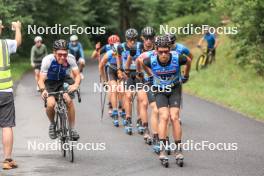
(115, 118)
(147, 137)
(128, 127)
(164, 161)
(140, 128)
(179, 158)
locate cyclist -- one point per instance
(55, 70)
(210, 38)
(76, 49)
(145, 96)
(38, 52)
(128, 52)
(165, 67)
(110, 59)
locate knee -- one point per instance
(69, 102)
(51, 104)
(163, 117)
(175, 116)
(128, 97)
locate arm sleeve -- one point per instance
(45, 64)
(147, 62)
(182, 60)
(72, 62)
(185, 50)
(81, 51)
(103, 50)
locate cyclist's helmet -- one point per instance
(148, 32)
(113, 39)
(37, 38)
(172, 38)
(162, 41)
(73, 38)
(60, 45)
(131, 33)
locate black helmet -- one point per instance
(172, 38)
(131, 33)
(60, 45)
(162, 41)
(148, 32)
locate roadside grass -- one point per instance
(226, 83)
(19, 66)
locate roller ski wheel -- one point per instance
(148, 141)
(179, 160)
(156, 149)
(124, 122)
(116, 123)
(164, 161)
(128, 130)
(140, 130)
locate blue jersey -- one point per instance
(126, 52)
(76, 50)
(110, 57)
(165, 76)
(181, 49)
(210, 38)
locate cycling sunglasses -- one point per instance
(164, 52)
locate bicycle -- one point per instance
(204, 59)
(63, 130)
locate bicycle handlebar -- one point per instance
(61, 93)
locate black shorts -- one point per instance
(7, 110)
(133, 83)
(111, 73)
(37, 65)
(169, 99)
(151, 96)
(55, 86)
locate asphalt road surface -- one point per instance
(129, 155)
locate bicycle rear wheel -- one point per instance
(200, 63)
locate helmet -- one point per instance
(148, 32)
(131, 33)
(172, 38)
(60, 45)
(37, 38)
(162, 41)
(113, 39)
(73, 38)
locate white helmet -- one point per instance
(73, 38)
(37, 38)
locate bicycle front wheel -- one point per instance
(200, 63)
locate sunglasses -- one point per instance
(62, 54)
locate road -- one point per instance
(128, 155)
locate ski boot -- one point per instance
(147, 137)
(115, 118)
(128, 127)
(179, 157)
(122, 114)
(140, 128)
(156, 146)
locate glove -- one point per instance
(184, 79)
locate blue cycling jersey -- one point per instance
(210, 38)
(126, 52)
(105, 48)
(164, 76)
(56, 71)
(181, 49)
(110, 57)
(76, 50)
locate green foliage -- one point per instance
(248, 16)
